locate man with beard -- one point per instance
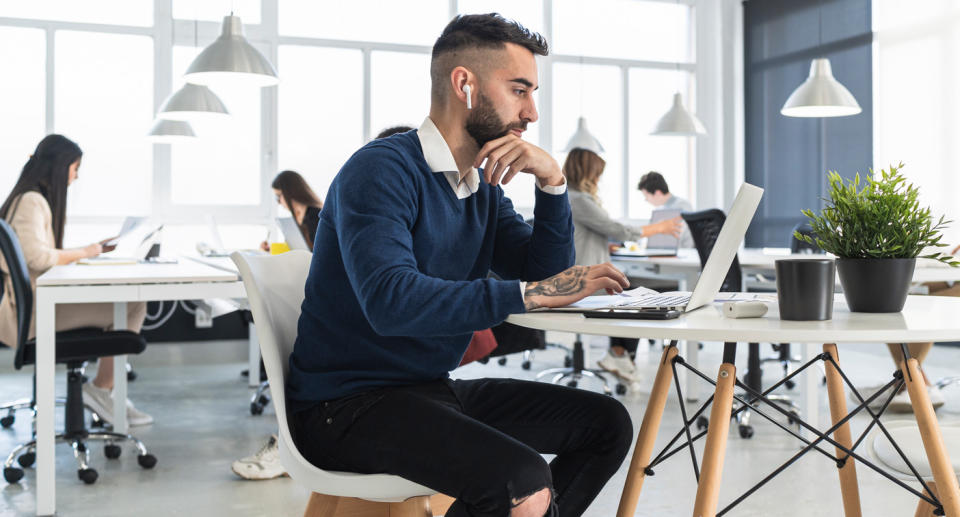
(410, 232)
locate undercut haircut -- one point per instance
(472, 32)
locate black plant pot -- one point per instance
(876, 285)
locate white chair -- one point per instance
(907, 435)
(275, 289)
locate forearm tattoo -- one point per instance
(566, 283)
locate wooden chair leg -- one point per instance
(321, 505)
(711, 469)
(647, 437)
(925, 509)
(940, 464)
(440, 503)
(849, 489)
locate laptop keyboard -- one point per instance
(662, 300)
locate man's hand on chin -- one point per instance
(508, 155)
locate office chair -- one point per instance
(578, 370)
(512, 339)
(274, 285)
(705, 227)
(73, 348)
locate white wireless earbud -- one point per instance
(466, 90)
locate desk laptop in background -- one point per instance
(291, 234)
(660, 245)
(647, 304)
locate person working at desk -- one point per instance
(36, 210)
(410, 230)
(655, 191)
(294, 193)
(593, 230)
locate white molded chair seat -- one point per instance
(907, 435)
(275, 289)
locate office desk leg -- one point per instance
(45, 368)
(647, 437)
(120, 373)
(940, 464)
(711, 468)
(849, 488)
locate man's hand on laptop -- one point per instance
(574, 284)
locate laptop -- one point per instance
(291, 234)
(654, 305)
(660, 245)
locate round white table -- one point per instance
(923, 319)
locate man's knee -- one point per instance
(615, 420)
(535, 505)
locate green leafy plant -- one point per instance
(883, 219)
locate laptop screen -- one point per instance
(662, 240)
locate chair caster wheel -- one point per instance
(131, 375)
(12, 474)
(746, 432)
(26, 459)
(621, 388)
(525, 365)
(88, 476)
(147, 461)
(702, 423)
(6, 421)
(567, 362)
(256, 409)
(790, 384)
(484, 360)
(502, 361)
(794, 419)
(96, 421)
(112, 451)
(572, 384)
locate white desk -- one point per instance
(923, 319)
(685, 270)
(107, 283)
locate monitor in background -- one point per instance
(664, 241)
(291, 233)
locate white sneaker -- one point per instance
(621, 366)
(265, 464)
(101, 401)
(136, 417)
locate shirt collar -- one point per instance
(435, 149)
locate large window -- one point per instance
(98, 72)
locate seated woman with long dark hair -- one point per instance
(294, 193)
(36, 209)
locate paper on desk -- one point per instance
(613, 300)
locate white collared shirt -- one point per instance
(440, 159)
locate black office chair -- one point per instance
(705, 227)
(73, 348)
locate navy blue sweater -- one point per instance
(398, 281)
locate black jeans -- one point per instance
(478, 441)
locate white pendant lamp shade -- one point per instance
(192, 102)
(820, 95)
(169, 131)
(230, 58)
(583, 139)
(678, 121)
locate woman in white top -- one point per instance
(36, 210)
(592, 233)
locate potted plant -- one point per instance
(877, 230)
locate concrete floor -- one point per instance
(202, 424)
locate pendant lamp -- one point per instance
(170, 131)
(583, 139)
(192, 102)
(678, 121)
(820, 95)
(230, 58)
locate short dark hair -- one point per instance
(479, 31)
(392, 131)
(652, 182)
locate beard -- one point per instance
(484, 125)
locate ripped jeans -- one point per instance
(478, 441)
